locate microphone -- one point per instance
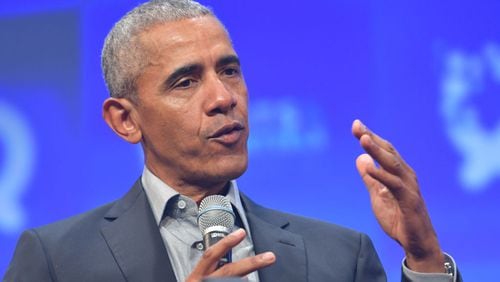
(216, 221)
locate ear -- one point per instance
(120, 115)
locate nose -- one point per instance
(220, 97)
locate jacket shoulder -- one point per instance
(302, 225)
(44, 253)
(83, 224)
(333, 252)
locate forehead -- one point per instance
(186, 40)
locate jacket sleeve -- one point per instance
(369, 267)
(30, 261)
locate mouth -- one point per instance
(228, 134)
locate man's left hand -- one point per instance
(397, 202)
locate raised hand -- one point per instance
(396, 200)
(207, 266)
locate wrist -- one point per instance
(432, 262)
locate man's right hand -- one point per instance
(207, 266)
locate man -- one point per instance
(177, 88)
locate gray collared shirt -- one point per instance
(176, 217)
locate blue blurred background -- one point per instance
(423, 74)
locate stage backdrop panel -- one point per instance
(423, 74)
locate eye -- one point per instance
(186, 83)
(231, 71)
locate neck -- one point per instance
(196, 192)
(199, 194)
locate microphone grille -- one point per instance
(215, 210)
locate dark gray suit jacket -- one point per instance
(121, 242)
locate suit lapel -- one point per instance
(269, 234)
(134, 239)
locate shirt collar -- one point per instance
(159, 193)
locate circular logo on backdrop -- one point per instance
(16, 169)
(467, 76)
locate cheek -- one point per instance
(158, 123)
(170, 114)
(181, 130)
(172, 138)
(242, 97)
(243, 107)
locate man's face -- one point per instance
(192, 106)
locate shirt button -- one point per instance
(181, 204)
(199, 246)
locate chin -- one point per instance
(214, 179)
(227, 169)
(235, 168)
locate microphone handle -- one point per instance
(211, 238)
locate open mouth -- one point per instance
(229, 133)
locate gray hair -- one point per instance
(123, 58)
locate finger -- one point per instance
(212, 255)
(245, 266)
(386, 160)
(379, 177)
(364, 164)
(359, 129)
(374, 142)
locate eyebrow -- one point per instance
(227, 60)
(197, 68)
